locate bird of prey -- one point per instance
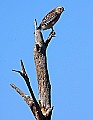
(51, 18)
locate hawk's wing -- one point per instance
(51, 16)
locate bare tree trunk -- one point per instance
(41, 109)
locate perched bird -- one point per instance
(51, 18)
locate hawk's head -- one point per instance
(59, 9)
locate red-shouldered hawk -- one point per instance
(51, 18)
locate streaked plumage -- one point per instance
(51, 18)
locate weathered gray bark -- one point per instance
(42, 108)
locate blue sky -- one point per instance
(70, 57)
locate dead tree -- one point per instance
(41, 108)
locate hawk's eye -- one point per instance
(59, 9)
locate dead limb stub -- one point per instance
(41, 109)
(27, 98)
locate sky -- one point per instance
(69, 56)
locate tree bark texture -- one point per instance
(44, 86)
(41, 108)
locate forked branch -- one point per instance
(24, 75)
(35, 109)
(51, 35)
